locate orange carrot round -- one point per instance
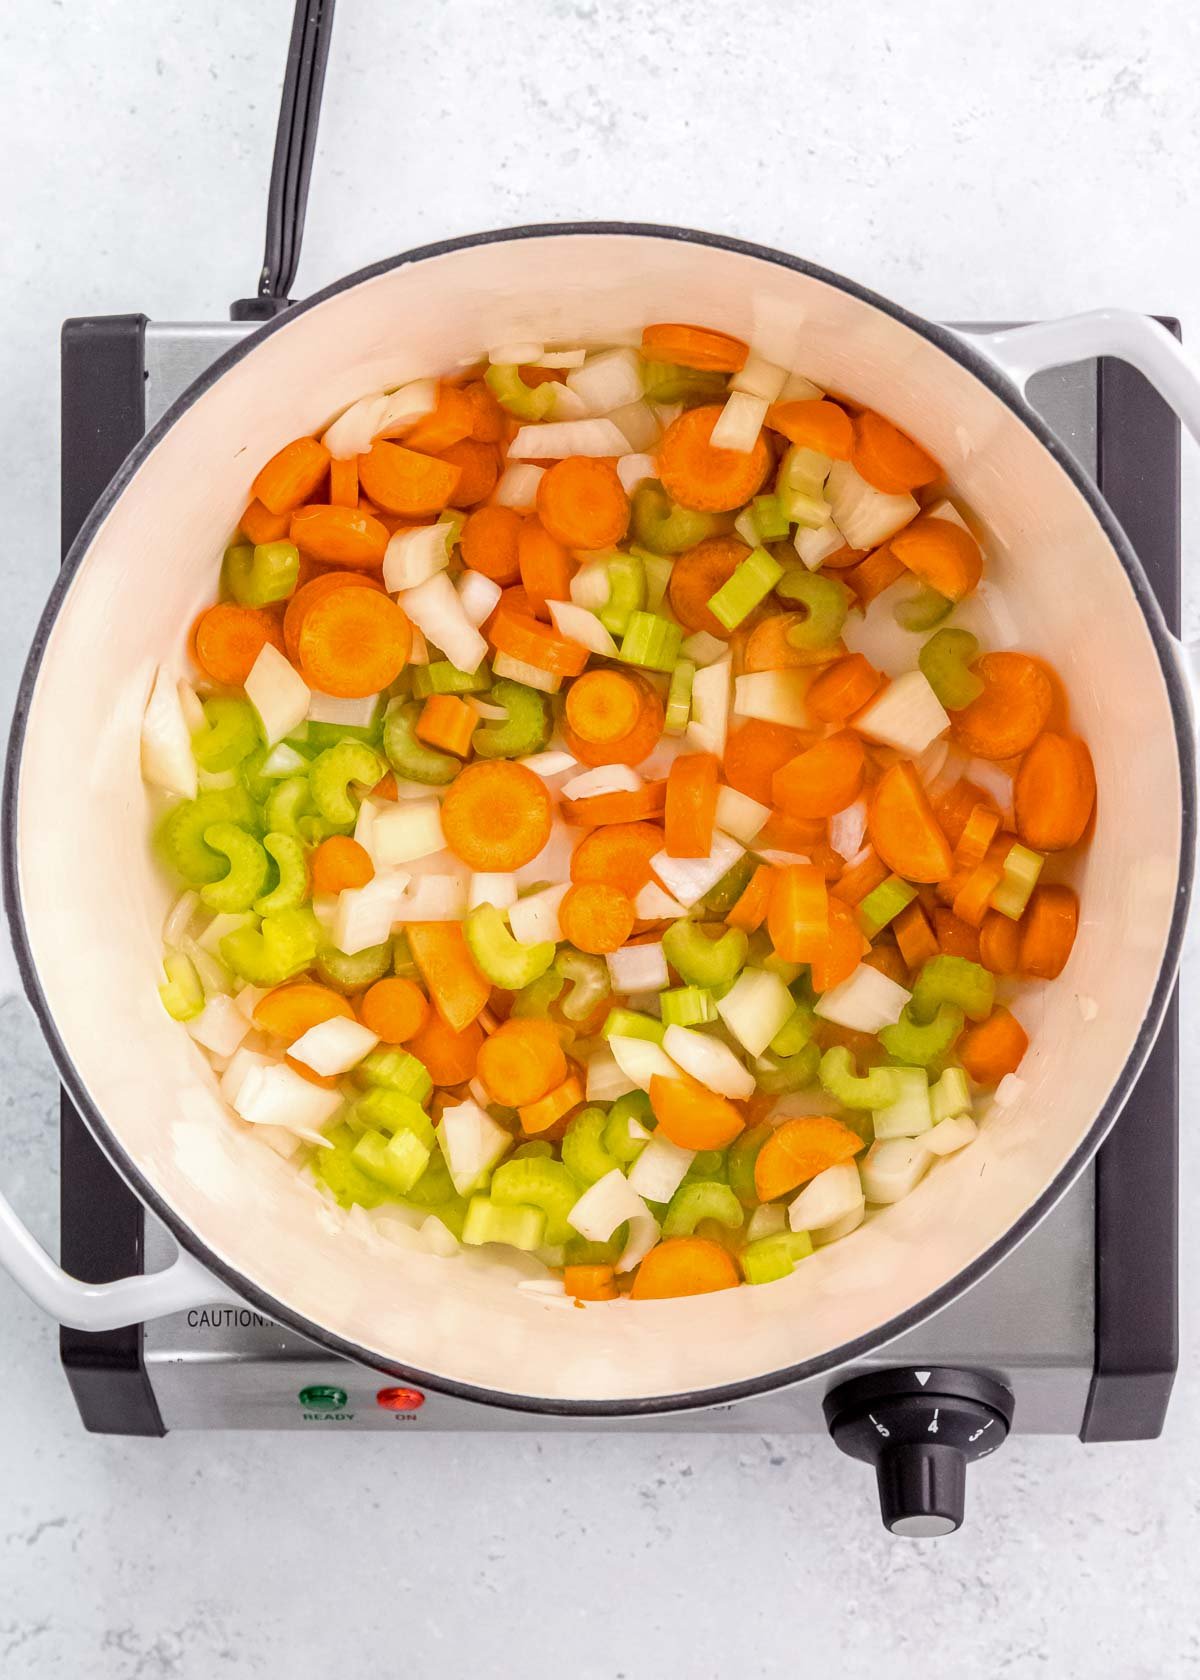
(537, 644)
(339, 536)
(596, 917)
(479, 468)
(799, 1150)
(582, 503)
(756, 750)
(767, 647)
(684, 1266)
(449, 1056)
(618, 854)
(490, 541)
(289, 1011)
(630, 748)
(904, 830)
(815, 423)
(823, 780)
(709, 480)
(602, 809)
(338, 863)
(487, 417)
(1054, 792)
(403, 481)
(452, 420)
(691, 1116)
(394, 1009)
(496, 816)
(994, 1048)
(353, 642)
(545, 565)
(941, 554)
(521, 1061)
(844, 689)
(228, 639)
(695, 578)
(888, 458)
(292, 475)
(695, 347)
(691, 807)
(1047, 932)
(259, 525)
(1011, 712)
(315, 590)
(843, 949)
(954, 806)
(999, 943)
(603, 705)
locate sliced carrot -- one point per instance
(353, 642)
(228, 639)
(487, 417)
(289, 1011)
(601, 809)
(596, 917)
(803, 835)
(259, 525)
(957, 936)
(696, 475)
(497, 816)
(619, 854)
(521, 1061)
(315, 590)
(974, 895)
(767, 647)
(538, 1117)
(630, 748)
(756, 750)
(842, 559)
(691, 809)
(338, 863)
(1047, 931)
(888, 458)
(343, 482)
(403, 481)
(994, 1048)
(339, 536)
(513, 599)
(870, 577)
(456, 988)
(914, 936)
(799, 1150)
(999, 943)
(903, 828)
(479, 468)
(489, 543)
(696, 577)
(291, 476)
(845, 688)
(842, 951)
(1059, 718)
(1055, 792)
(886, 959)
(858, 879)
(604, 705)
(447, 722)
(590, 1283)
(691, 1116)
(582, 503)
(823, 780)
(545, 565)
(750, 910)
(452, 420)
(954, 806)
(941, 554)
(1011, 712)
(798, 917)
(449, 1056)
(394, 1009)
(537, 644)
(694, 347)
(684, 1266)
(977, 835)
(814, 423)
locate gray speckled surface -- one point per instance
(1007, 161)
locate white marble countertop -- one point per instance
(1011, 161)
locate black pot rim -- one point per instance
(961, 351)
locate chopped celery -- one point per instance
(247, 873)
(720, 900)
(953, 980)
(291, 888)
(488, 1222)
(907, 1115)
(788, 1073)
(548, 1185)
(772, 1258)
(1021, 870)
(583, 1151)
(744, 527)
(499, 957)
(533, 1002)
(739, 1162)
(440, 677)
(918, 1045)
(537, 1149)
(703, 1200)
(351, 973)
(626, 593)
(629, 1023)
(397, 1071)
(679, 698)
(331, 773)
(788, 972)
(230, 733)
(287, 802)
(945, 662)
(702, 961)
(658, 524)
(635, 1105)
(182, 994)
(589, 979)
(580, 1252)
(410, 758)
(665, 382)
(824, 601)
(397, 1162)
(284, 945)
(658, 568)
(922, 610)
(343, 1176)
(800, 485)
(525, 730)
(182, 833)
(435, 1187)
(883, 904)
(875, 1090)
(771, 523)
(318, 736)
(687, 1006)
(527, 402)
(796, 1032)
(709, 1166)
(750, 582)
(257, 576)
(259, 787)
(951, 1096)
(651, 642)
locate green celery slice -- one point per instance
(705, 1199)
(500, 957)
(750, 582)
(874, 1090)
(702, 961)
(410, 758)
(247, 873)
(945, 662)
(583, 1151)
(824, 600)
(771, 1258)
(917, 1044)
(953, 980)
(653, 643)
(525, 730)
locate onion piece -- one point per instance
(358, 713)
(472, 1143)
(534, 919)
(632, 470)
(556, 440)
(1009, 1091)
(739, 423)
(275, 1095)
(166, 742)
(906, 714)
(638, 968)
(815, 543)
(708, 724)
(892, 1168)
(703, 649)
(560, 359)
(415, 554)
(605, 778)
(739, 815)
(709, 1061)
(847, 828)
(652, 904)
(402, 833)
(611, 379)
(436, 610)
(365, 914)
(865, 516)
(433, 898)
(955, 1132)
(517, 485)
(478, 596)
(864, 1002)
(829, 1197)
(639, 423)
(333, 1046)
(351, 433)
(520, 352)
(994, 781)
(278, 694)
(688, 879)
(549, 764)
(580, 625)
(405, 406)
(220, 1026)
(497, 890)
(179, 917)
(774, 696)
(660, 1169)
(639, 1060)
(606, 1079)
(759, 378)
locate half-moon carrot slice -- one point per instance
(823, 780)
(582, 503)
(339, 536)
(1047, 931)
(1011, 713)
(814, 424)
(292, 475)
(691, 805)
(403, 481)
(619, 854)
(904, 830)
(479, 465)
(1054, 792)
(888, 458)
(684, 1266)
(227, 639)
(694, 347)
(941, 554)
(844, 689)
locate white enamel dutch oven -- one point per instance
(85, 901)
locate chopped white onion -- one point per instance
(643, 1234)
(438, 1238)
(580, 625)
(800, 389)
(605, 778)
(566, 404)
(840, 1227)
(478, 596)
(472, 1143)
(249, 998)
(760, 378)
(517, 485)
(404, 407)
(504, 665)
(241, 1064)
(739, 423)
(829, 1197)
(521, 352)
(590, 587)
(766, 1221)
(632, 470)
(994, 781)
(892, 1168)
(755, 1007)
(549, 764)
(703, 649)
(906, 714)
(710, 1061)
(609, 380)
(192, 706)
(179, 918)
(638, 968)
(352, 431)
(652, 904)
(402, 833)
(639, 423)
(560, 359)
(278, 694)
(166, 744)
(436, 610)
(660, 1169)
(220, 1026)
(775, 696)
(847, 828)
(415, 554)
(365, 914)
(275, 1095)
(815, 543)
(688, 879)
(553, 862)
(931, 762)
(324, 908)
(739, 815)
(708, 724)
(1000, 627)
(955, 1132)
(865, 516)
(1009, 1091)
(333, 1046)
(534, 919)
(605, 1205)
(498, 890)
(556, 440)
(865, 1002)
(358, 713)
(434, 898)
(639, 1059)
(606, 1079)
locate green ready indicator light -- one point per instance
(323, 1397)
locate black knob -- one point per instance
(920, 1429)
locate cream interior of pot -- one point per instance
(94, 900)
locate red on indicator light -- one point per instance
(400, 1399)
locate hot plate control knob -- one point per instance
(920, 1429)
